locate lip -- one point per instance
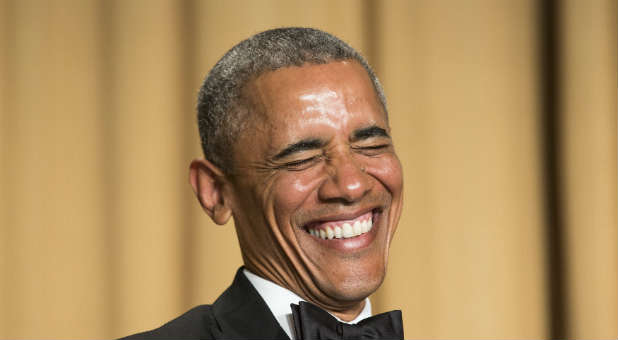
(353, 243)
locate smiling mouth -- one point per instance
(343, 229)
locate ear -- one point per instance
(207, 182)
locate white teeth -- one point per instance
(367, 225)
(347, 230)
(357, 228)
(338, 232)
(329, 233)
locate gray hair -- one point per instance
(220, 110)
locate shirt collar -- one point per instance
(278, 300)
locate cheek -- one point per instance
(293, 190)
(388, 171)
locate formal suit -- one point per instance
(239, 313)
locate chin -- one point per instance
(354, 288)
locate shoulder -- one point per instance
(197, 323)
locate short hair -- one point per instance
(221, 112)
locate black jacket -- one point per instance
(239, 313)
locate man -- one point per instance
(297, 148)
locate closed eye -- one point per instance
(300, 164)
(372, 150)
(374, 147)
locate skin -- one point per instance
(346, 167)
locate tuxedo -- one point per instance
(239, 313)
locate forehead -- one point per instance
(338, 93)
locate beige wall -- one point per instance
(100, 235)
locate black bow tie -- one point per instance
(311, 322)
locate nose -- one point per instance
(346, 181)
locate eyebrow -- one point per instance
(315, 143)
(368, 132)
(305, 144)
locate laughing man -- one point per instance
(297, 146)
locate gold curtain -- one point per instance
(503, 114)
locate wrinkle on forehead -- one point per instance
(295, 103)
(318, 97)
(324, 106)
(322, 101)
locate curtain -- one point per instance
(503, 115)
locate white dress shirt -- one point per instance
(279, 299)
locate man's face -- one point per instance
(317, 187)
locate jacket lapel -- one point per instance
(241, 313)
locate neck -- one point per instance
(349, 314)
(344, 310)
